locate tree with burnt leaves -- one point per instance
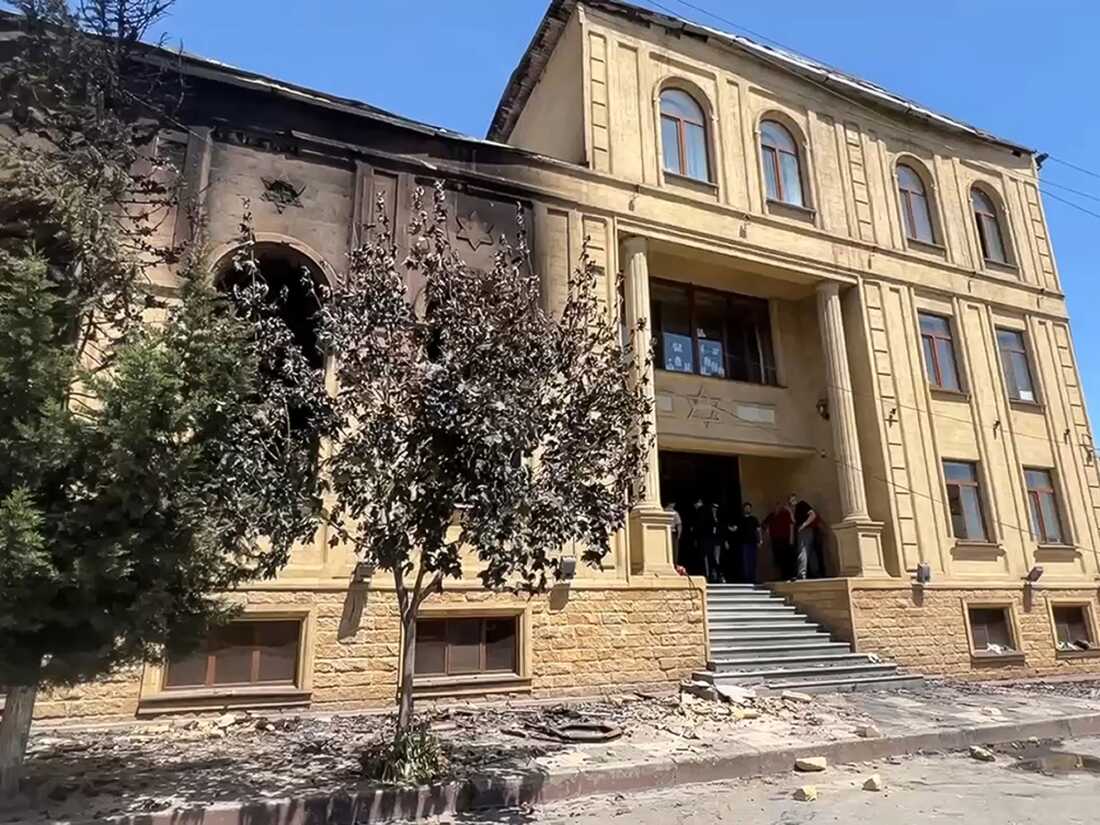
(479, 432)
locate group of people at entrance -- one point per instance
(706, 541)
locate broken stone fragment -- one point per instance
(873, 783)
(807, 793)
(982, 754)
(795, 696)
(868, 732)
(811, 764)
(735, 693)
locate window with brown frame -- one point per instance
(241, 654)
(939, 352)
(990, 235)
(1071, 627)
(467, 646)
(1016, 364)
(915, 210)
(964, 500)
(712, 333)
(684, 135)
(991, 630)
(782, 164)
(1042, 500)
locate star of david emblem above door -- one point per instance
(474, 230)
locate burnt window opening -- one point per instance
(293, 287)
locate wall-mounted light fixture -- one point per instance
(823, 408)
(567, 570)
(1034, 574)
(924, 573)
(363, 571)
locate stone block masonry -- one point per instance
(925, 629)
(579, 641)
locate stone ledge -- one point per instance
(389, 804)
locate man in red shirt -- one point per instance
(780, 527)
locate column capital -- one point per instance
(635, 245)
(828, 288)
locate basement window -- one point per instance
(241, 654)
(467, 647)
(1071, 628)
(991, 631)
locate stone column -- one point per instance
(859, 540)
(649, 524)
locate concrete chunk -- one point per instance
(868, 732)
(982, 754)
(811, 764)
(795, 696)
(807, 793)
(873, 783)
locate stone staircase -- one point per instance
(758, 640)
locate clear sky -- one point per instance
(1025, 71)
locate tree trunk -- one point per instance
(408, 666)
(15, 728)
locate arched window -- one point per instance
(684, 135)
(915, 211)
(989, 227)
(782, 167)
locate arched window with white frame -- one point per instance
(684, 135)
(783, 177)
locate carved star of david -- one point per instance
(474, 230)
(704, 407)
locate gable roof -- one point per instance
(527, 73)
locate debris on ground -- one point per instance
(982, 754)
(811, 764)
(873, 783)
(868, 732)
(807, 793)
(795, 696)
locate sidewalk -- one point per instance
(290, 770)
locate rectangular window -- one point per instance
(712, 333)
(1046, 522)
(991, 630)
(939, 352)
(964, 501)
(1017, 367)
(246, 653)
(1071, 627)
(463, 647)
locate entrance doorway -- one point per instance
(694, 483)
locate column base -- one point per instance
(650, 531)
(859, 548)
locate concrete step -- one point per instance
(892, 682)
(752, 609)
(748, 634)
(775, 621)
(803, 673)
(782, 651)
(736, 588)
(723, 664)
(743, 598)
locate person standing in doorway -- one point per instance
(710, 539)
(780, 526)
(747, 538)
(805, 533)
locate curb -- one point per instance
(388, 804)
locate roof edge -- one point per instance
(529, 70)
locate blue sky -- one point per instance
(1022, 70)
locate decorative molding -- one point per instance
(282, 193)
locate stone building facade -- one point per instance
(850, 297)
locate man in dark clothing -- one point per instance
(780, 526)
(805, 520)
(747, 537)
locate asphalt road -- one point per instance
(950, 788)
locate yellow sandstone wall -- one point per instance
(574, 642)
